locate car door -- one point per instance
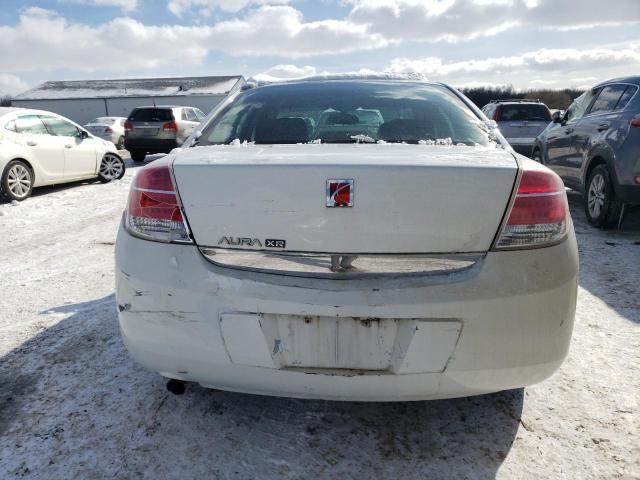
(79, 153)
(45, 151)
(592, 128)
(560, 146)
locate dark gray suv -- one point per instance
(595, 148)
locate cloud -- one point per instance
(551, 68)
(44, 40)
(462, 20)
(124, 5)
(543, 60)
(11, 84)
(285, 72)
(179, 7)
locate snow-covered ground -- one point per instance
(73, 405)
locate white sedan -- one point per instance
(419, 259)
(42, 148)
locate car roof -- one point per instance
(348, 77)
(161, 106)
(632, 79)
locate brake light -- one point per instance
(108, 130)
(170, 127)
(539, 215)
(128, 126)
(496, 114)
(635, 122)
(154, 211)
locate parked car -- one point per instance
(159, 129)
(595, 148)
(520, 121)
(108, 128)
(42, 148)
(430, 261)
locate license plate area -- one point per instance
(346, 344)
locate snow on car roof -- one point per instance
(157, 87)
(262, 79)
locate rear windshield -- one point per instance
(347, 112)
(524, 112)
(151, 115)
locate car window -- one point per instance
(151, 115)
(188, 115)
(31, 124)
(103, 121)
(579, 106)
(10, 125)
(347, 112)
(200, 114)
(59, 127)
(626, 96)
(524, 112)
(608, 98)
(191, 115)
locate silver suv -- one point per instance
(520, 121)
(159, 129)
(595, 148)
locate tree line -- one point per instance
(557, 99)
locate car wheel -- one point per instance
(120, 144)
(138, 156)
(601, 206)
(17, 180)
(111, 168)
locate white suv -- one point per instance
(41, 148)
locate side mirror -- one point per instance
(557, 117)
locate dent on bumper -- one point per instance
(515, 311)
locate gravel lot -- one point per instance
(73, 405)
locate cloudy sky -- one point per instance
(525, 43)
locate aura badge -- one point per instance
(339, 193)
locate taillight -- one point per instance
(154, 211)
(635, 121)
(170, 127)
(128, 126)
(108, 130)
(496, 114)
(539, 215)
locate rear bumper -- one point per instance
(505, 323)
(150, 145)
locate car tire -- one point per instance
(601, 205)
(17, 181)
(111, 168)
(137, 156)
(120, 144)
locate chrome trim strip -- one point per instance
(340, 266)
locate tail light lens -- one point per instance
(128, 126)
(635, 121)
(108, 130)
(539, 215)
(496, 114)
(170, 127)
(154, 211)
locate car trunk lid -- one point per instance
(406, 199)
